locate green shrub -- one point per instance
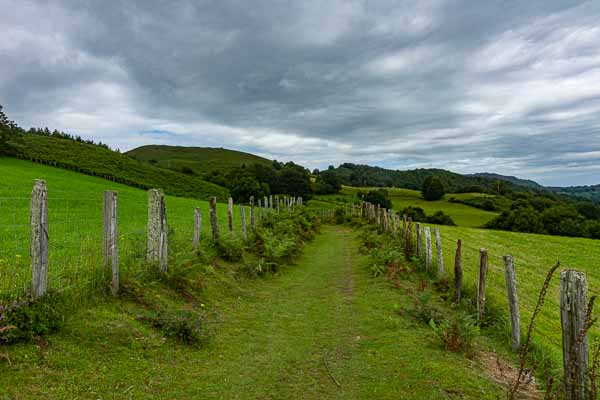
(457, 333)
(183, 326)
(424, 311)
(26, 319)
(230, 247)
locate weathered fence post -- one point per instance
(230, 214)
(458, 275)
(271, 202)
(38, 218)
(157, 229)
(244, 227)
(428, 250)
(197, 229)
(419, 241)
(214, 224)
(252, 217)
(440, 256)
(408, 245)
(573, 310)
(483, 266)
(513, 301)
(111, 240)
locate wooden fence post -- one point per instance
(428, 250)
(483, 267)
(197, 229)
(157, 250)
(230, 214)
(408, 245)
(244, 227)
(214, 223)
(573, 310)
(458, 275)
(513, 301)
(271, 202)
(252, 217)
(419, 241)
(38, 218)
(111, 239)
(440, 256)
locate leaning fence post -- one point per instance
(38, 218)
(573, 310)
(483, 266)
(214, 224)
(440, 256)
(197, 229)
(244, 227)
(513, 301)
(111, 239)
(428, 250)
(230, 214)
(458, 275)
(157, 229)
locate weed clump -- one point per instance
(457, 333)
(24, 320)
(183, 326)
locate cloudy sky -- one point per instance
(502, 86)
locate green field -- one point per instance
(75, 223)
(534, 255)
(200, 159)
(462, 214)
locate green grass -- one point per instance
(534, 255)
(270, 342)
(462, 214)
(200, 159)
(75, 223)
(99, 161)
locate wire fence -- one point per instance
(75, 232)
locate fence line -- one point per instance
(81, 242)
(573, 297)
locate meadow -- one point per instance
(462, 214)
(534, 255)
(75, 204)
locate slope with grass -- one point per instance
(321, 330)
(200, 160)
(75, 223)
(100, 161)
(534, 255)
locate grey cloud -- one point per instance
(505, 86)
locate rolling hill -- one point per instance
(100, 161)
(513, 179)
(200, 160)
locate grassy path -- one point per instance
(324, 319)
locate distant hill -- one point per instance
(364, 175)
(586, 192)
(101, 161)
(199, 160)
(507, 178)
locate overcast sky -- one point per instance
(511, 87)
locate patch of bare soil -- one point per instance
(505, 374)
